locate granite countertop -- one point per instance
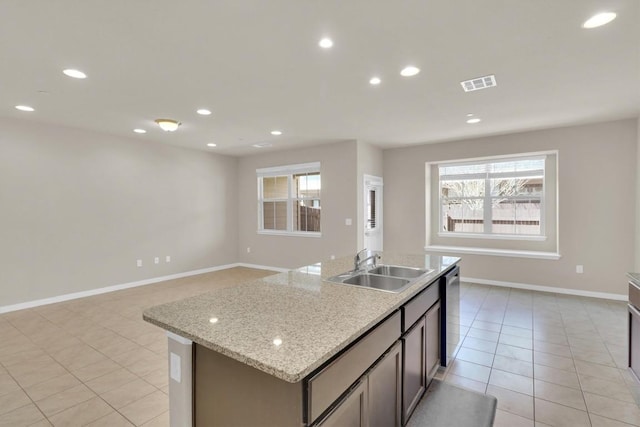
(290, 323)
(635, 277)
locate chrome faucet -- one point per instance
(358, 263)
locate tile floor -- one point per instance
(551, 360)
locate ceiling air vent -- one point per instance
(479, 83)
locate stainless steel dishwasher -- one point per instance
(450, 314)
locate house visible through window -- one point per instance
(289, 199)
(493, 197)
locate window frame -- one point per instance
(487, 198)
(287, 171)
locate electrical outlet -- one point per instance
(579, 269)
(333, 257)
(139, 263)
(175, 371)
(167, 258)
(248, 250)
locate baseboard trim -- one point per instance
(566, 291)
(98, 291)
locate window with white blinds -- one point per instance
(502, 196)
(289, 199)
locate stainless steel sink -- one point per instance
(388, 278)
(398, 271)
(383, 283)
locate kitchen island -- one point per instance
(276, 351)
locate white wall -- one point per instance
(338, 167)
(79, 208)
(597, 191)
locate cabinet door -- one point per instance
(351, 411)
(385, 391)
(414, 367)
(433, 341)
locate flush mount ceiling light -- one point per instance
(76, 74)
(140, 131)
(168, 125)
(325, 43)
(276, 132)
(25, 108)
(478, 83)
(409, 71)
(203, 112)
(211, 144)
(375, 81)
(599, 20)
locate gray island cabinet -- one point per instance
(294, 349)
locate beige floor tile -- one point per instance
(556, 349)
(602, 358)
(132, 357)
(611, 389)
(487, 326)
(515, 352)
(110, 381)
(551, 360)
(147, 408)
(551, 337)
(516, 341)
(614, 409)
(559, 394)
(82, 413)
(514, 366)
(161, 421)
(518, 332)
(145, 367)
(27, 376)
(41, 423)
(556, 376)
(507, 419)
(513, 382)
(475, 356)
(7, 384)
(33, 356)
(599, 371)
(24, 416)
(466, 383)
(479, 344)
(78, 357)
(511, 401)
(13, 400)
(128, 393)
(483, 334)
(55, 385)
(470, 370)
(95, 370)
(114, 419)
(66, 399)
(159, 378)
(557, 415)
(598, 421)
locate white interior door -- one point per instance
(373, 230)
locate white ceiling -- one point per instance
(256, 64)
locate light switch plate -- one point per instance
(348, 221)
(175, 373)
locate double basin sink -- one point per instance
(388, 278)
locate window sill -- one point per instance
(493, 236)
(290, 233)
(494, 252)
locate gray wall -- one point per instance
(597, 191)
(338, 200)
(79, 208)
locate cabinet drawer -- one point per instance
(418, 306)
(634, 294)
(328, 384)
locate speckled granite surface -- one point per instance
(635, 277)
(311, 319)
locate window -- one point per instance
(289, 199)
(493, 197)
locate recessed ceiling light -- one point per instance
(168, 125)
(213, 320)
(262, 145)
(203, 112)
(375, 81)
(470, 115)
(473, 121)
(325, 43)
(276, 132)
(277, 342)
(409, 71)
(211, 144)
(76, 74)
(140, 131)
(25, 108)
(599, 20)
